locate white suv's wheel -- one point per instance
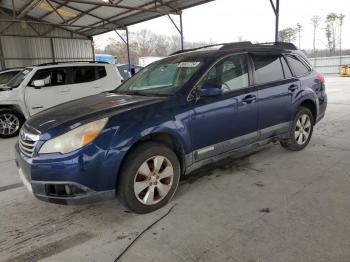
(149, 177)
(10, 123)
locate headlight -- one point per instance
(74, 139)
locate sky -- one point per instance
(230, 20)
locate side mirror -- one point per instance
(132, 71)
(38, 83)
(210, 91)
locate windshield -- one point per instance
(17, 79)
(163, 78)
(6, 76)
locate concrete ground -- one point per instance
(273, 205)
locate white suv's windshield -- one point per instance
(17, 79)
(162, 78)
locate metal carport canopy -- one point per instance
(91, 17)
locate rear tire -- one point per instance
(10, 123)
(149, 177)
(301, 130)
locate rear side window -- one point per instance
(298, 67)
(101, 71)
(84, 74)
(268, 68)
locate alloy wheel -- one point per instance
(153, 180)
(302, 129)
(9, 124)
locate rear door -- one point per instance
(90, 80)
(276, 88)
(55, 91)
(227, 121)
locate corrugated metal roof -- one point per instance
(91, 17)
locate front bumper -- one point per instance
(78, 178)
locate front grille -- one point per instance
(27, 143)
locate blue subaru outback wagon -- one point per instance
(176, 115)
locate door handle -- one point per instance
(293, 87)
(97, 87)
(249, 99)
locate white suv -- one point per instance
(37, 88)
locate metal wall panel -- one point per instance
(23, 45)
(27, 51)
(73, 49)
(329, 65)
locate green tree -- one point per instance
(288, 35)
(331, 31)
(298, 30)
(315, 21)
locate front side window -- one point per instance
(18, 79)
(298, 67)
(163, 78)
(50, 77)
(230, 74)
(268, 68)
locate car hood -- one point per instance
(85, 110)
(4, 87)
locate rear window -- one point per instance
(298, 66)
(268, 68)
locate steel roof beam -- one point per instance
(55, 10)
(50, 23)
(50, 12)
(119, 6)
(86, 12)
(28, 7)
(126, 12)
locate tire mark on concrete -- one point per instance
(53, 248)
(12, 186)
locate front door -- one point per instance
(54, 91)
(228, 120)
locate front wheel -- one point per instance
(149, 177)
(10, 123)
(301, 131)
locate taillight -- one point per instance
(321, 78)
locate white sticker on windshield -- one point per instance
(188, 64)
(25, 71)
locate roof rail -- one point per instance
(75, 61)
(284, 45)
(244, 44)
(194, 49)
